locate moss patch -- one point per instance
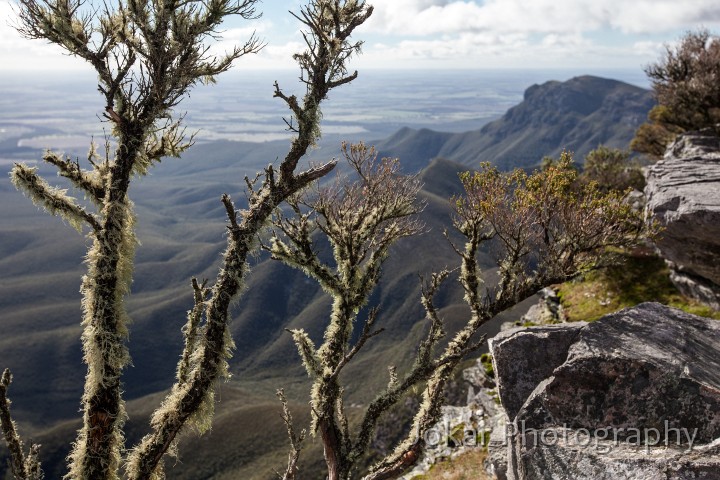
(486, 361)
(639, 278)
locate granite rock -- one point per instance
(642, 386)
(683, 195)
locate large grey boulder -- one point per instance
(579, 457)
(544, 348)
(683, 194)
(637, 396)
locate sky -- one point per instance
(447, 34)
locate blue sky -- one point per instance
(449, 34)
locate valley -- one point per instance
(181, 229)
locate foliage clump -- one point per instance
(685, 85)
(612, 169)
(486, 362)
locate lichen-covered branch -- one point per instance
(308, 353)
(147, 56)
(361, 221)
(323, 66)
(91, 182)
(367, 334)
(54, 200)
(295, 440)
(191, 402)
(23, 466)
(191, 331)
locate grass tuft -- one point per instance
(639, 278)
(468, 466)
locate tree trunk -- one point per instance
(336, 464)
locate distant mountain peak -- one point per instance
(584, 94)
(577, 115)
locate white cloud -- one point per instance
(461, 33)
(18, 53)
(659, 16)
(272, 56)
(427, 17)
(488, 50)
(648, 48)
(537, 33)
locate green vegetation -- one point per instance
(547, 226)
(612, 169)
(685, 85)
(468, 466)
(639, 278)
(486, 362)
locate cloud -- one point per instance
(537, 33)
(648, 48)
(488, 50)
(429, 17)
(18, 53)
(21, 54)
(273, 56)
(483, 33)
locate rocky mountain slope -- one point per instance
(576, 115)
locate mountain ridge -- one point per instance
(577, 115)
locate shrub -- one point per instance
(685, 84)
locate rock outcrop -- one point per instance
(683, 194)
(465, 427)
(547, 311)
(634, 395)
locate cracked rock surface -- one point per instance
(683, 194)
(636, 395)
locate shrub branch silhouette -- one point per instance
(24, 466)
(148, 56)
(548, 228)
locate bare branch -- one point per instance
(24, 467)
(295, 439)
